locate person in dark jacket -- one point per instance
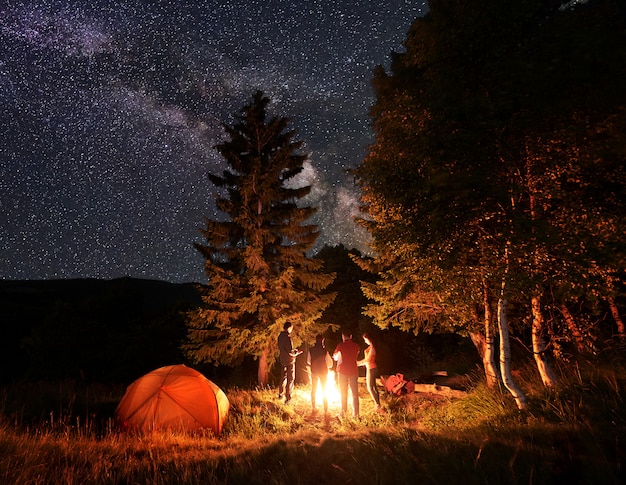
(319, 361)
(287, 362)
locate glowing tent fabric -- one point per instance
(175, 397)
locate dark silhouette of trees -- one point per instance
(92, 330)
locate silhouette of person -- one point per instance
(319, 361)
(346, 354)
(287, 361)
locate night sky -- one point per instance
(109, 112)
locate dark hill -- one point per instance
(89, 328)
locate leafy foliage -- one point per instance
(496, 130)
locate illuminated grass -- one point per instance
(481, 438)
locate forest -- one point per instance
(495, 195)
(495, 189)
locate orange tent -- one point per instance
(175, 397)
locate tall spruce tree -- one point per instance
(256, 262)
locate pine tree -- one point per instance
(256, 262)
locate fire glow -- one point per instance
(332, 391)
(303, 394)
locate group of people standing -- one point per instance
(320, 362)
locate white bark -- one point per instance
(486, 343)
(505, 356)
(546, 371)
(489, 359)
(505, 345)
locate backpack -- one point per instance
(398, 385)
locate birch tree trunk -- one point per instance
(478, 339)
(540, 343)
(488, 341)
(505, 344)
(505, 356)
(489, 358)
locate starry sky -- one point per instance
(109, 112)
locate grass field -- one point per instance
(64, 433)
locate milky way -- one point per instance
(109, 112)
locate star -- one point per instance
(110, 111)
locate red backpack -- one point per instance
(398, 385)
